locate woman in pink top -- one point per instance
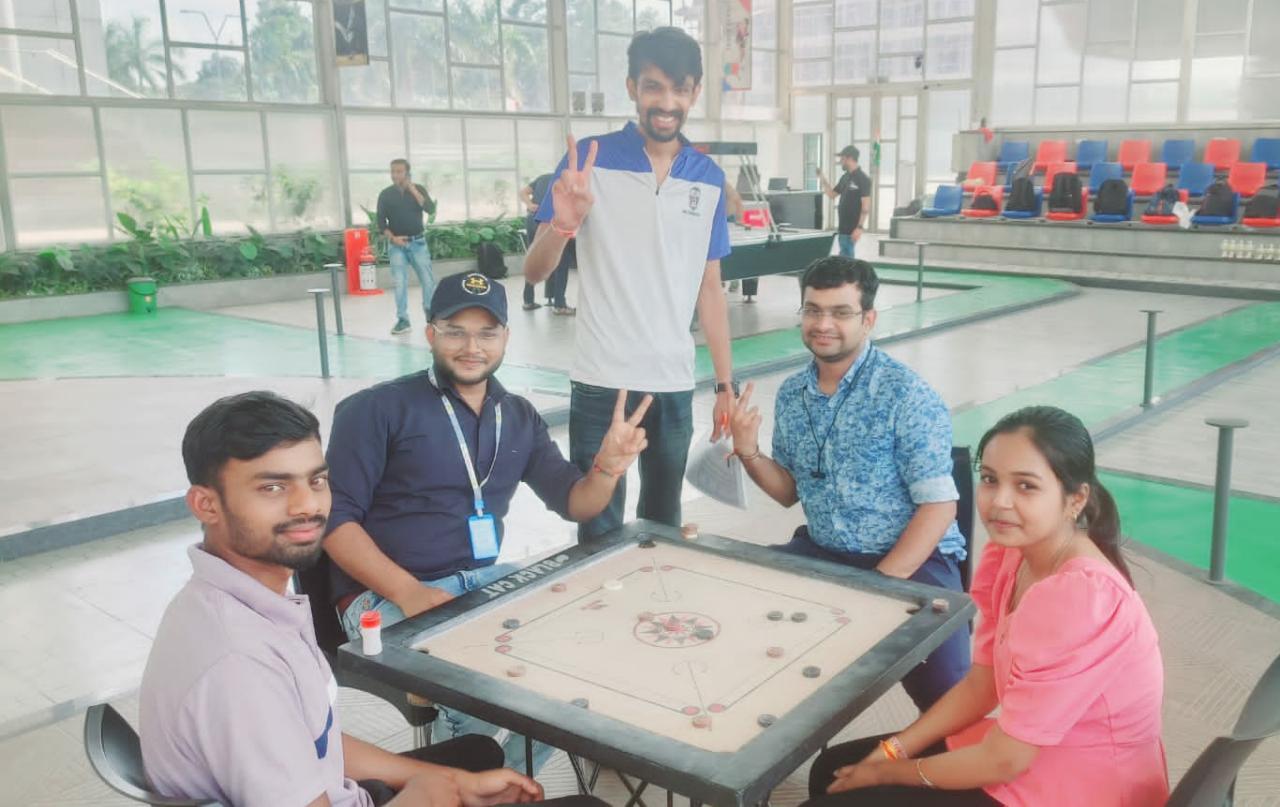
(1064, 647)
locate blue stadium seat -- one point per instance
(1089, 152)
(1012, 152)
(1115, 218)
(1219, 221)
(1027, 214)
(1101, 173)
(1194, 178)
(1177, 153)
(1267, 150)
(946, 202)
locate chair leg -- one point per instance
(422, 736)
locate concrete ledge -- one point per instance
(212, 294)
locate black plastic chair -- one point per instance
(115, 754)
(962, 473)
(1211, 780)
(315, 583)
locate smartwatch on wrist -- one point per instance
(732, 386)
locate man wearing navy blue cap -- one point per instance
(424, 467)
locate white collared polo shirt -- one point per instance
(642, 253)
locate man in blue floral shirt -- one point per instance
(864, 444)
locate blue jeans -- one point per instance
(846, 245)
(669, 427)
(946, 665)
(413, 254)
(452, 723)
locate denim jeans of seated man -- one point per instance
(451, 723)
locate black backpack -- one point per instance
(1162, 203)
(1023, 195)
(1065, 196)
(489, 260)
(1112, 198)
(1262, 206)
(983, 200)
(1023, 169)
(1218, 200)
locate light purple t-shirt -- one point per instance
(237, 700)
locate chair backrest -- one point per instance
(315, 583)
(1266, 150)
(1014, 151)
(1247, 178)
(1089, 152)
(985, 171)
(1102, 172)
(962, 473)
(1057, 168)
(1222, 152)
(115, 754)
(1051, 151)
(1133, 152)
(948, 197)
(1195, 177)
(1177, 153)
(1211, 778)
(1149, 178)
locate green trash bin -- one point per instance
(142, 295)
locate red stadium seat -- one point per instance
(1222, 152)
(1061, 215)
(1134, 152)
(1261, 223)
(1151, 218)
(1053, 170)
(1148, 178)
(996, 193)
(1049, 152)
(1247, 179)
(981, 174)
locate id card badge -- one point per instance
(484, 537)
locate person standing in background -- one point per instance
(850, 190)
(400, 209)
(555, 286)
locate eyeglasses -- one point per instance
(457, 337)
(841, 314)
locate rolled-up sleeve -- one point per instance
(922, 439)
(357, 457)
(548, 473)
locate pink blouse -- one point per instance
(1078, 673)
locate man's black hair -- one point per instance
(670, 50)
(242, 427)
(401, 161)
(835, 271)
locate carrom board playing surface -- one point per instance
(712, 668)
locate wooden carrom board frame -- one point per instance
(733, 779)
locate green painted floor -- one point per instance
(1176, 519)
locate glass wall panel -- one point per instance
(529, 10)
(123, 47)
(852, 13)
(53, 16)
(949, 53)
(477, 88)
(373, 141)
(418, 60)
(948, 113)
(225, 141)
(235, 201)
(282, 51)
(854, 56)
(1013, 87)
(541, 147)
(527, 68)
(1153, 102)
(1104, 92)
(492, 194)
(1016, 22)
(50, 139)
(37, 65)
(1062, 30)
(302, 178)
(63, 210)
(1215, 88)
(435, 150)
(1057, 105)
(369, 85)
(473, 31)
(146, 163)
(204, 74)
(205, 22)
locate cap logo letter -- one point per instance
(475, 284)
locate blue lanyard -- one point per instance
(476, 484)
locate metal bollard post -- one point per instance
(920, 245)
(1149, 373)
(1222, 494)
(320, 330)
(334, 269)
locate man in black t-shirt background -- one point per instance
(400, 209)
(850, 190)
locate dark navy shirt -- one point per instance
(395, 469)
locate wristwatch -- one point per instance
(732, 386)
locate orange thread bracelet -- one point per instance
(563, 233)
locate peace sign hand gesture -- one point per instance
(744, 424)
(571, 194)
(625, 439)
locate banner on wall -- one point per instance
(350, 33)
(736, 45)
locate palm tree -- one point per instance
(136, 59)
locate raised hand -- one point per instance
(625, 439)
(571, 194)
(744, 423)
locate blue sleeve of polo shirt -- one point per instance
(922, 434)
(719, 246)
(357, 457)
(548, 473)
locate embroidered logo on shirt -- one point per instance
(475, 283)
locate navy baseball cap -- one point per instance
(471, 290)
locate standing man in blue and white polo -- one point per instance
(648, 212)
(400, 209)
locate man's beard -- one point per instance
(447, 377)
(653, 134)
(297, 557)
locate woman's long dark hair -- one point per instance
(1068, 448)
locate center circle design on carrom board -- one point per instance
(676, 629)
